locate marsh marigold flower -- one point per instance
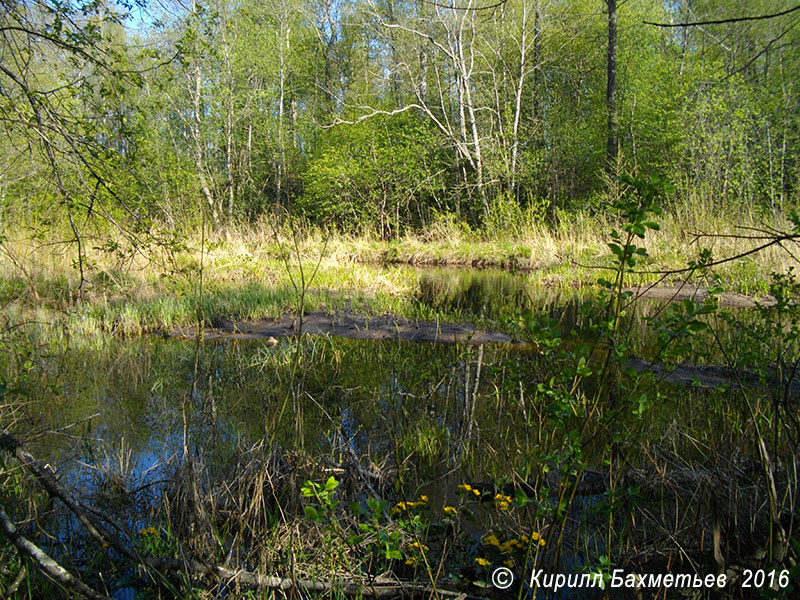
(482, 562)
(450, 510)
(503, 502)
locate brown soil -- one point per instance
(696, 292)
(351, 325)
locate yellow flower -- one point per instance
(404, 506)
(411, 562)
(423, 499)
(476, 492)
(525, 539)
(421, 547)
(491, 540)
(465, 487)
(542, 542)
(535, 536)
(503, 501)
(509, 545)
(450, 510)
(482, 562)
(508, 563)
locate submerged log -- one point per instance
(713, 376)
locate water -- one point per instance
(427, 417)
(155, 399)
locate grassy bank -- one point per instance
(250, 273)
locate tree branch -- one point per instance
(723, 21)
(49, 566)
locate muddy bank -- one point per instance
(679, 292)
(713, 376)
(512, 264)
(351, 325)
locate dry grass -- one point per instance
(244, 269)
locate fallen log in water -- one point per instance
(675, 293)
(713, 376)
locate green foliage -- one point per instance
(322, 493)
(510, 219)
(372, 176)
(360, 126)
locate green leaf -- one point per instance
(605, 283)
(311, 513)
(695, 326)
(354, 539)
(582, 369)
(308, 490)
(521, 498)
(617, 250)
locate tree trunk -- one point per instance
(197, 86)
(523, 51)
(612, 143)
(281, 101)
(228, 123)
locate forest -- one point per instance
(388, 117)
(399, 299)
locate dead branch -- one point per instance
(348, 588)
(49, 566)
(11, 590)
(44, 475)
(724, 21)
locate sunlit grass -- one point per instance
(247, 274)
